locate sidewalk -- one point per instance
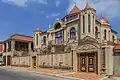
(62, 73)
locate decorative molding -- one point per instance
(87, 47)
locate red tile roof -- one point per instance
(103, 20)
(1, 47)
(21, 37)
(75, 10)
(117, 47)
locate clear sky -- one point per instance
(24, 16)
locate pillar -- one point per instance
(12, 45)
(37, 61)
(6, 60)
(29, 46)
(7, 46)
(99, 56)
(6, 51)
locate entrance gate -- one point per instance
(87, 62)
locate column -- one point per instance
(12, 45)
(7, 46)
(29, 46)
(6, 60)
(6, 51)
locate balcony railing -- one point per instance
(56, 42)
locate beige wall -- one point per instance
(109, 60)
(56, 58)
(21, 61)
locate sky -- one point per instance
(24, 16)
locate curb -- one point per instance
(48, 74)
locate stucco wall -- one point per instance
(55, 60)
(117, 63)
(109, 60)
(21, 61)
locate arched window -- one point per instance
(109, 35)
(44, 40)
(83, 24)
(58, 36)
(36, 39)
(89, 23)
(72, 33)
(96, 32)
(113, 38)
(105, 32)
(57, 26)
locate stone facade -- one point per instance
(77, 42)
(79, 32)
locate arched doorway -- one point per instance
(87, 55)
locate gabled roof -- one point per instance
(103, 20)
(75, 10)
(21, 37)
(87, 6)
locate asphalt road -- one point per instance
(12, 74)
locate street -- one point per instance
(12, 74)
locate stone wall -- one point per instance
(55, 60)
(62, 61)
(21, 61)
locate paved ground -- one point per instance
(12, 74)
(112, 78)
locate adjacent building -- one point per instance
(1, 50)
(78, 42)
(16, 45)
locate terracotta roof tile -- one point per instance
(103, 20)
(75, 10)
(1, 47)
(21, 37)
(117, 47)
